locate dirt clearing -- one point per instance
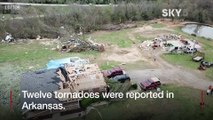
(124, 55)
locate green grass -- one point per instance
(140, 38)
(182, 60)
(35, 54)
(6, 114)
(158, 25)
(119, 38)
(85, 102)
(108, 65)
(185, 106)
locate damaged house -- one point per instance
(67, 78)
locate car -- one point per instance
(113, 72)
(121, 78)
(150, 84)
(207, 64)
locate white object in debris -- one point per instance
(8, 37)
(145, 44)
(38, 37)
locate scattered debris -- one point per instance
(9, 38)
(38, 37)
(189, 50)
(71, 77)
(77, 45)
(87, 77)
(172, 44)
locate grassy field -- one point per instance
(181, 60)
(34, 54)
(119, 38)
(158, 25)
(108, 65)
(184, 106)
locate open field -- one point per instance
(119, 38)
(34, 55)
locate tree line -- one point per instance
(75, 1)
(57, 21)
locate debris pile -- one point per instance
(177, 44)
(70, 79)
(172, 43)
(77, 45)
(87, 77)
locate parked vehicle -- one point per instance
(197, 58)
(207, 64)
(150, 84)
(112, 73)
(121, 78)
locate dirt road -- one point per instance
(169, 73)
(174, 76)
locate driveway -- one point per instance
(169, 73)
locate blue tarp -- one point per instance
(53, 64)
